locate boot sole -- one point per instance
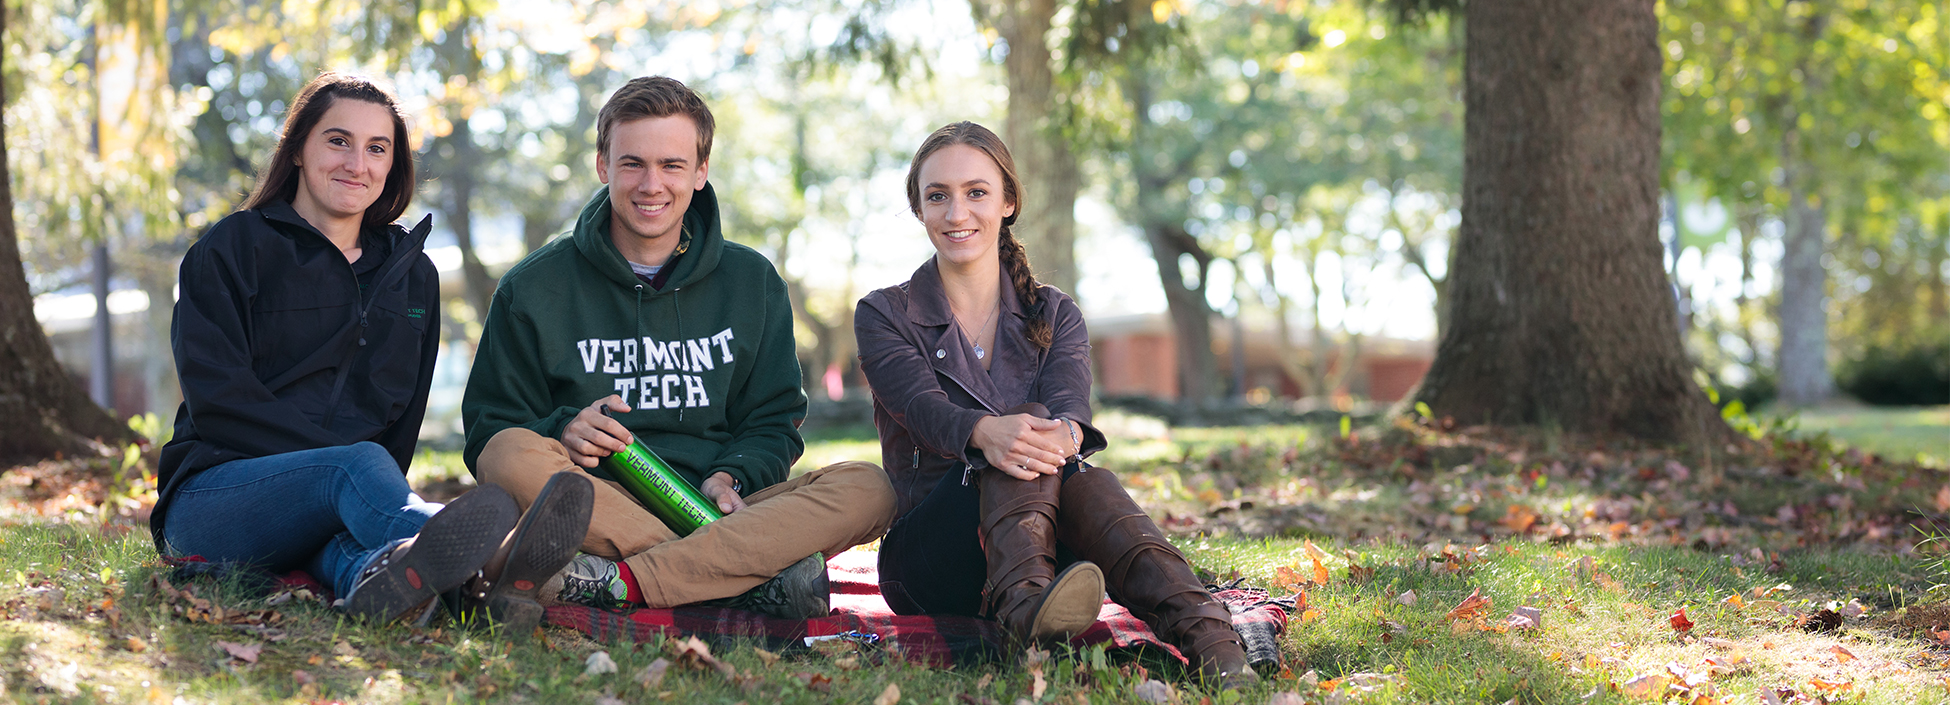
(452, 544)
(1070, 603)
(546, 540)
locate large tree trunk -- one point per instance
(1561, 314)
(1803, 358)
(1191, 317)
(1047, 222)
(42, 409)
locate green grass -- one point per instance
(1393, 511)
(1921, 434)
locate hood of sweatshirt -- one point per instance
(703, 241)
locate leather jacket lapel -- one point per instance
(942, 340)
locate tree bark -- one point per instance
(1561, 314)
(1803, 357)
(42, 409)
(1047, 166)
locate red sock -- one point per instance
(635, 595)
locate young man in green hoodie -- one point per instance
(647, 325)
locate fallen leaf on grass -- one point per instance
(1153, 691)
(1288, 578)
(1735, 601)
(816, 682)
(1842, 654)
(889, 696)
(1835, 686)
(693, 653)
(1407, 598)
(1519, 518)
(766, 656)
(1679, 621)
(1320, 573)
(1286, 698)
(598, 664)
(303, 678)
(1646, 687)
(136, 645)
(653, 675)
(1524, 618)
(1471, 607)
(1607, 582)
(242, 652)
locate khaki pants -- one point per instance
(828, 510)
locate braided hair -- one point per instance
(1015, 260)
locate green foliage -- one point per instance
(1918, 374)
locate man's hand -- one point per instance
(1021, 445)
(591, 436)
(717, 488)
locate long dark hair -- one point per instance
(1015, 260)
(279, 179)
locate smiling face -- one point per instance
(343, 166)
(962, 204)
(652, 169)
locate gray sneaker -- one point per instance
(590, 581)
(798, 592)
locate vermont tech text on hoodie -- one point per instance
(707, 362)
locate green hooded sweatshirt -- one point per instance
(708, 362)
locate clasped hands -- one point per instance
(1025, 446)
(593, 435)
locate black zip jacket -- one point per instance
(278, 349)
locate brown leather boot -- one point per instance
(1149, 576)
(1023, 591)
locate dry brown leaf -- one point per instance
(1842, 654)
(1606, 581)
(598, 663)
(242, 652)
(1835, 686)
(1407, 598)
(1287, 577)
(692, 652)
(1471, 607)
(889, 696)
(1735, 601)
(1037, 685)
(1314, 551)
(1646, 687)
(1519, 518)
(1320, 573)
(767, 657)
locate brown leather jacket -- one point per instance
(929, 389)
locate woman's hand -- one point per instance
(1021, 445)
(592, 436)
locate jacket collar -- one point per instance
(1012, 370)
(929, 300)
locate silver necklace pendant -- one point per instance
(979, 352)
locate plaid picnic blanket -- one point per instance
(860, 615)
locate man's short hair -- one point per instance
(655, 97)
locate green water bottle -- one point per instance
(660, 489)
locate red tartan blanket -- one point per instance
(859, 611)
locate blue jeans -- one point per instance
(325, 510)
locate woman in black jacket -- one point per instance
(305, 334)
(981, 388)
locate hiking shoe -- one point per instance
(798, 592)
(505, 590)
(590, 581)
(450, 547)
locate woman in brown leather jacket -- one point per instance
(981, 385)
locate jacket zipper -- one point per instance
(412, 244)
